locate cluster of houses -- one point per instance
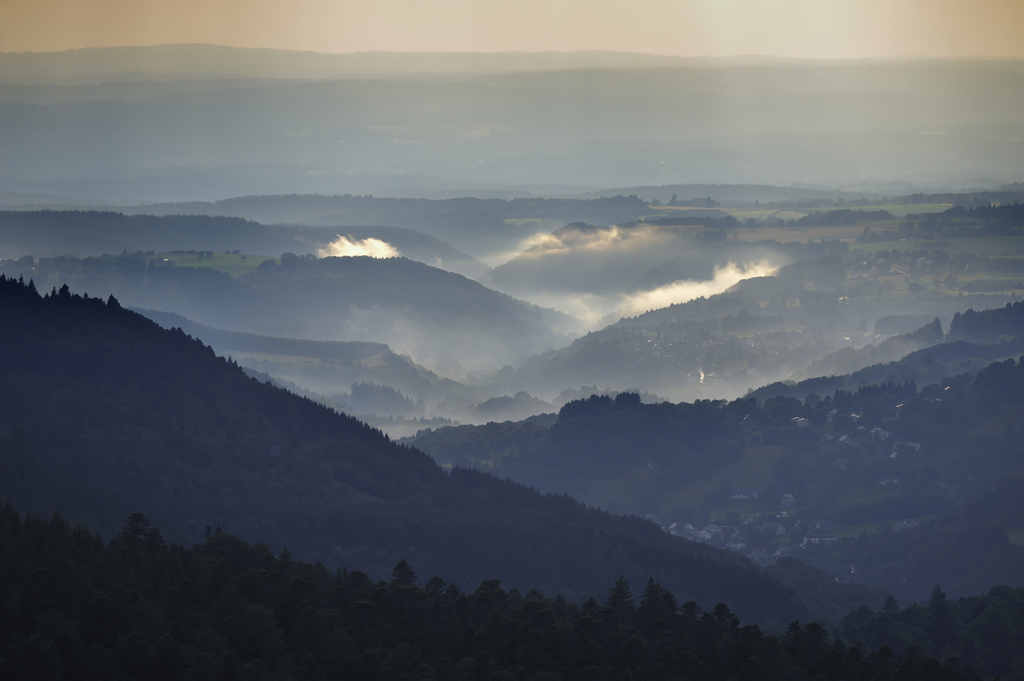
(750, 493)
(882, 435)
(732, 536)
(765, 556)
(709, 532)
(877, 433)
(799, 533)
(770, 528)
(916, 446)
(823, 532)
(684, 347)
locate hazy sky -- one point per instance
(787, 28)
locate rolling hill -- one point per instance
(912, 484)
(320, 366)
(105, 413)
(447, 322)
(92, 233)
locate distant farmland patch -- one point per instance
(234, 264)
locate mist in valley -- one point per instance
(747, 328)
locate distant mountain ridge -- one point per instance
(212, 61)
(477, 225)
(94, 232)
(225, 123)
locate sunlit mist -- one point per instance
(344, 247)
(684, 291)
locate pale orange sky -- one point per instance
(825, 29)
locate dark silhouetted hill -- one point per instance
(988, 326)
(103, 412)
(78, 607)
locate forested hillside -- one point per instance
(915, 486)
(76, 607)
(326, 366)
(923, 366)
(601, 439)
(811, 318)
(948, 455)
(849, 360)
(104, 413)
(988, 324)
(983, 632)
(439, 317)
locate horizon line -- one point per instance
(752, 56)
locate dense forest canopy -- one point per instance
(77, 607)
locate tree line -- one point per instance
(75, 607)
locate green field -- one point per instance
(762, 213)
(230, 263)
(903, 210)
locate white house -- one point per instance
(819, 538)
(742, 494)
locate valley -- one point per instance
(547, 364)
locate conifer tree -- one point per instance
(403, 574)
